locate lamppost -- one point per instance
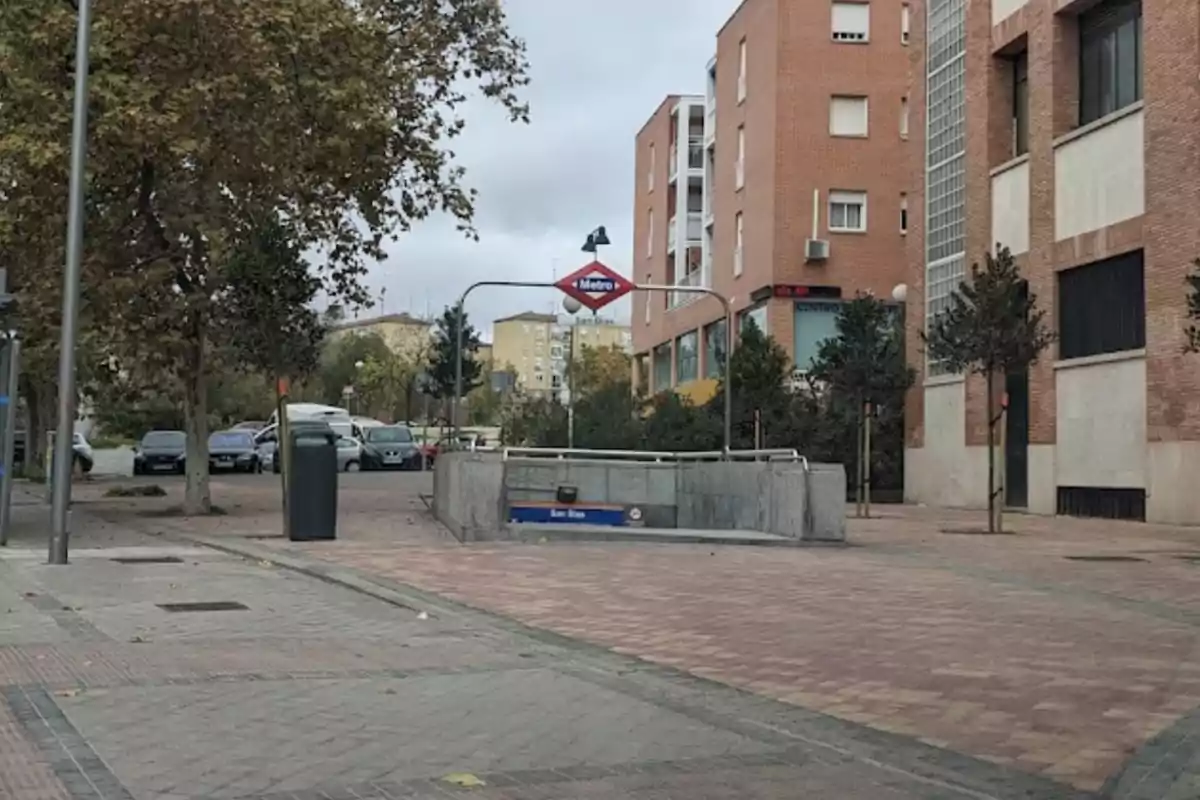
(595, 240)
(63, 460)
(571, 306)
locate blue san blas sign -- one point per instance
(574, 515)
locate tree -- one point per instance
(863, 364)
(674, 424)
(385, 381)
(338, 367)
(992, 327)
(599, 367)
(607, 417)
(759, 372)
(443, 367)
(209, 113)
(538, 421)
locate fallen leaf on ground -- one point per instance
(464, 779)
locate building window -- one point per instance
(851, 22)
(1102, 307)
(847, 116)
(650, 232)
(646, 297)
(741, 80)
(905, 23)
(716, 345)
(814, 323)
(903, 117)
(1020, 104)
(903, 214)
(1110, 58)
(687, 358)
(737, 244)
(848, 211)
(650, 173)
(756, 315)
(662, 368)
(739, 174)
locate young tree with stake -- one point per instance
(992, 327)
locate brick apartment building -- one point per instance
(783, 187)
(1068, 130)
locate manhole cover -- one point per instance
(149, 560)
(1104, 558)
(216, 605)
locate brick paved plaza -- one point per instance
(915, 663)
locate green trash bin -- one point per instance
(312, 484)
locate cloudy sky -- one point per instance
(599, 68)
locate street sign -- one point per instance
(595, 285)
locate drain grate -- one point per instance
(1102, 559)
(213, 605)
(148, 560)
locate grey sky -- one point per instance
(599, 69)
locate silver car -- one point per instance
(349, 454)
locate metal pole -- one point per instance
(867, 461)
(70, 316)
(10, 432)
(571, 386)
(458, 376)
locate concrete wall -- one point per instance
(468, 494)
(1100, 175)
(1101, 417)
(756, 496)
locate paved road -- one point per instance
(298, 689)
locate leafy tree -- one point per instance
(385, 382)
(442, 361)
(484, 406)
(338, 368)
(271, 326)
(864, 363)
(673, 424)
(759, 373)
(607, 417)
(537, 421)
(992, 327)
(207, 113)
(598, 367)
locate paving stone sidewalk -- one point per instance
(294, 688)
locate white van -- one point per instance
(338, 418)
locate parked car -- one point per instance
(233, 450)
(160, 451)
(252, 425)
(84, 457)
(390, 447)
(349, 454)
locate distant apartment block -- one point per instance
(784, 186)
(1065, 130)
(534, 348)
(403, 333)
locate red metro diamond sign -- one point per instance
(595, 285)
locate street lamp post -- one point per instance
(571, 306)
(64, 440)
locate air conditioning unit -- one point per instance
(816, 250)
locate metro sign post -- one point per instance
(595, 285)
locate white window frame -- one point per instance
(904, 111)
(650, 233)
(741, 81)
(653, 164)
(646, 297)
(738, 243)
(850, 35)
(905, 23)
(858, 132)
(739, 176)
(847, 198)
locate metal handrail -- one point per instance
(771, 455)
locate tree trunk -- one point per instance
(40, 403)
(991, 453)
(197, 496)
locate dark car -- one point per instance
(234, 451)
(295, 425)
(390, 447)
(160, 451)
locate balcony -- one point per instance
(693, 278)
(671, 235)
(710, 124)
(696, 155)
